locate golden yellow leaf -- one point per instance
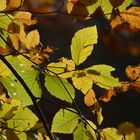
(81, 81)
(32, 39)
(130, 16)
(25, 17)
(14, 4)
(90, 98)
(2, 4)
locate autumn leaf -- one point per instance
(12, 4)
(90, 98)
(130, 16)
(133, 72)
(2, 5)
(82, 9)
(32, 39)
(81, 81)
(106, 97)
(25, 17)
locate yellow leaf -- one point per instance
(110, 134)
(2, 4)
(25, 17)
(4, 71)
(14, 3)
(32, 39)
(81, 81)
(130, 16)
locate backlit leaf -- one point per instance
(91, 127)
(13, 4)
(23, 120)
(108, 6)
(5, 20)
(130, 16)
(110, 134)
(80, 133)
(2, 4)
(81, 81)
(89, 98)
(29, 75)
(4, 71)
(8, 110)
(32, 39)
(83, 43)
(101, 75)
(64, 121)
(25, 17)
(82, 9)
(65, 68)
(59, 88)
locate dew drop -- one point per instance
(22, 71)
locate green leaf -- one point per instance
(5, 20)
(4, 71)
(110, 134)
(8, 110)
(107, 7)
(59, 88)
(29, 75)
(23, 120)
(125, 4)
(4, 35)
(91, 127)
(82, 44)
(101, 76)
(2, 4)
(92, 8)
(64, 121)
(81, 81)
(80, 133)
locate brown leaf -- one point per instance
(25, 17)
(133, 72)
(77, 9)
(136, 85)
(90, 98)
(116, 3)
(106, 97)
(130, 16)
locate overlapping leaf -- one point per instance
(29, 75)
(101, 75)
(83, 43)
(81, 133)
(64, 121)
(130, 16)
(60, 88)
(23, 120)
(65, 68)
(108, 6)
(81, 81)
